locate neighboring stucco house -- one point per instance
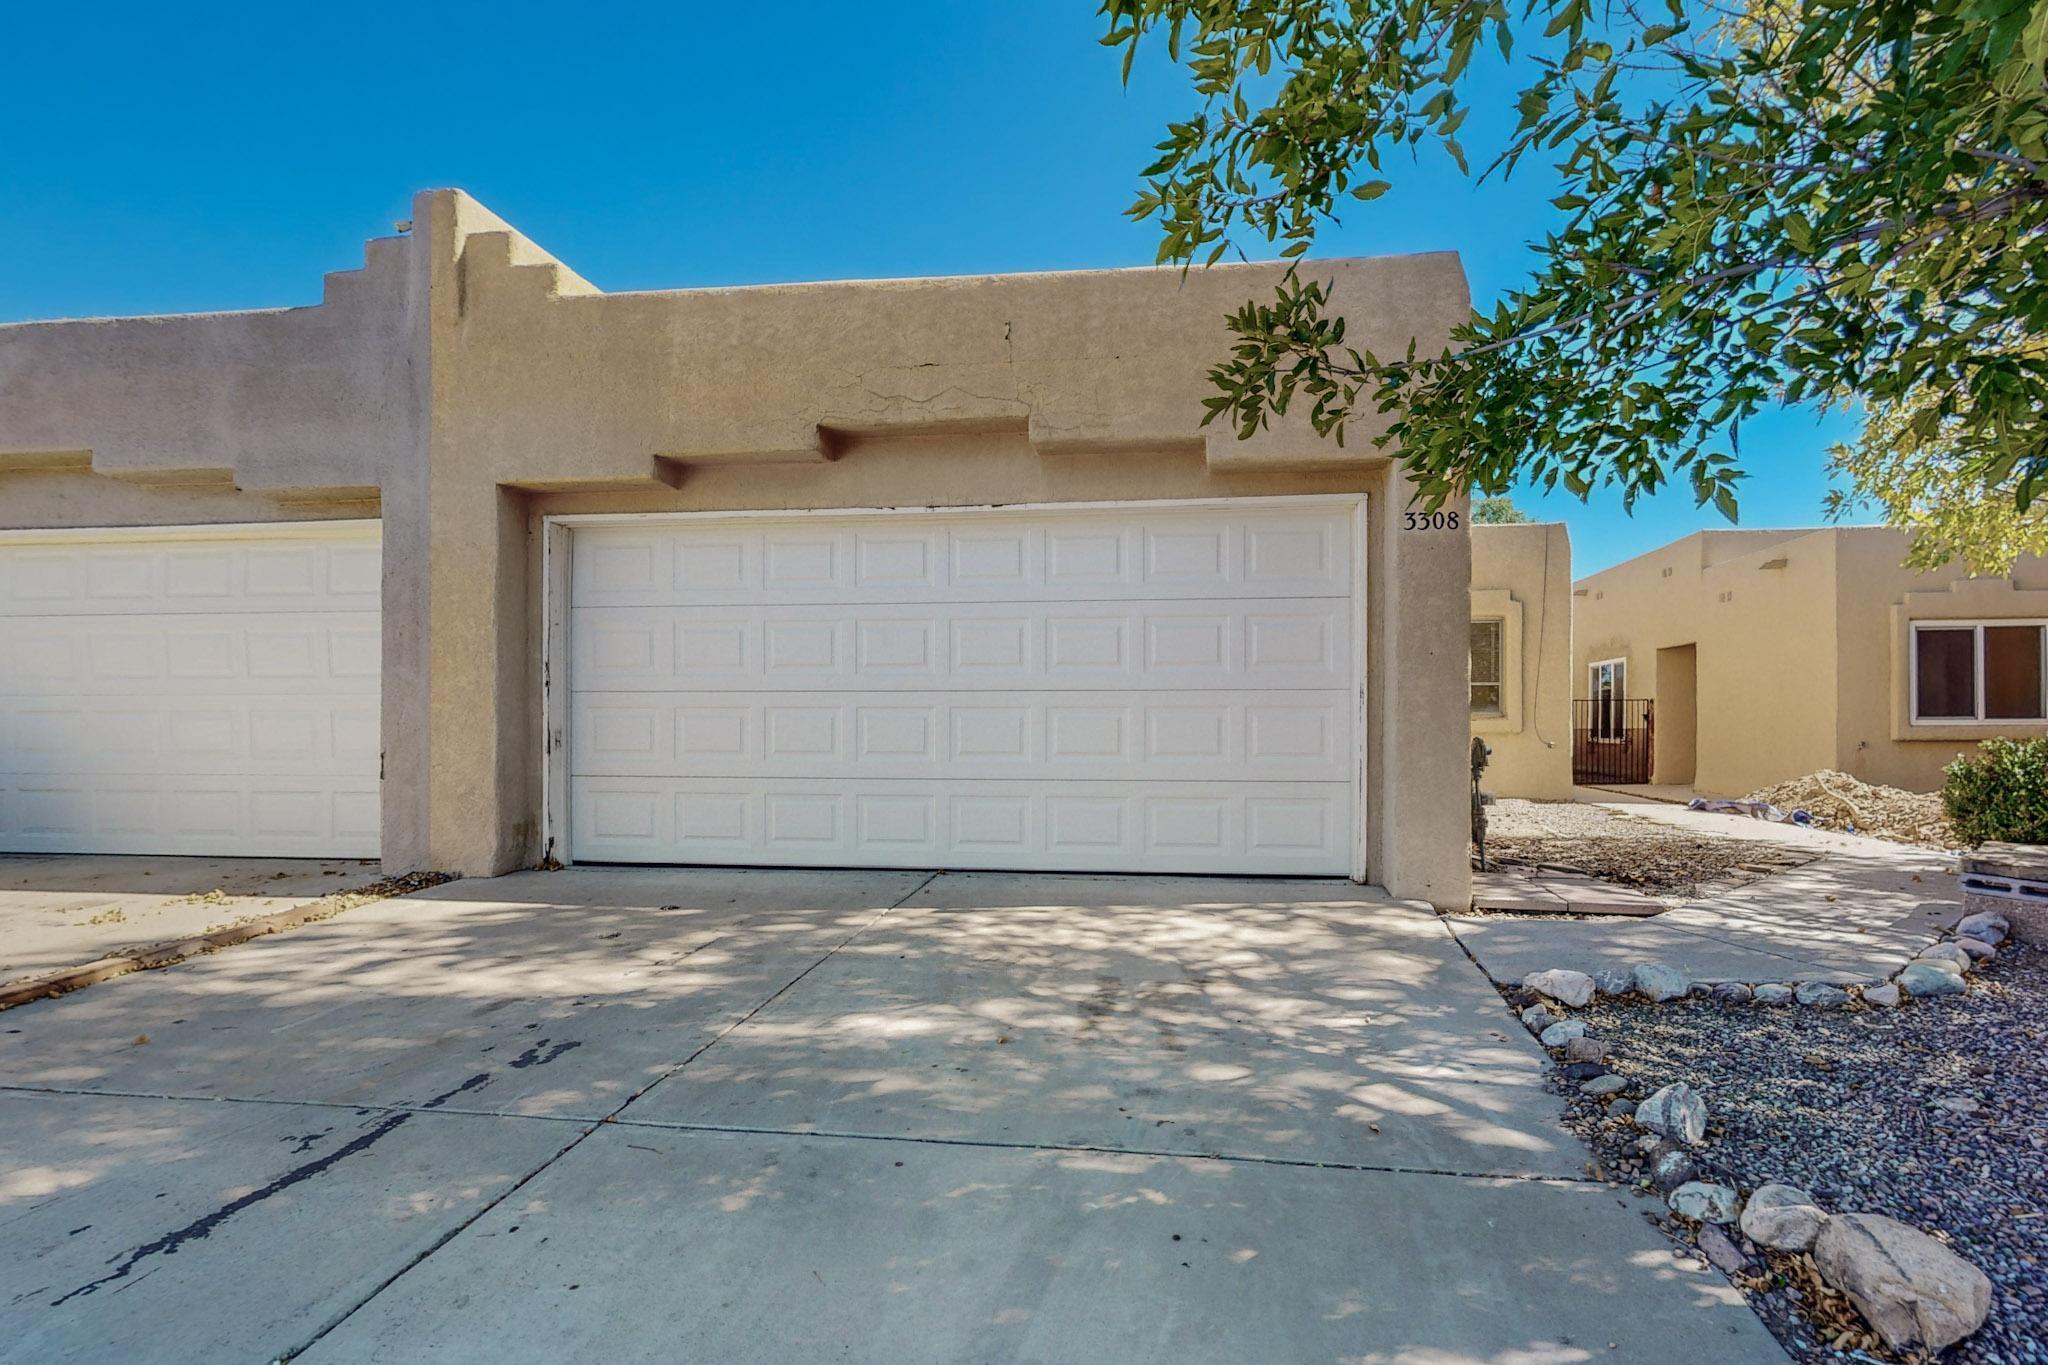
(472, 565)
(1770, 654)
(1521, 653)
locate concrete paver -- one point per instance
(881, 1116)
(65, 910)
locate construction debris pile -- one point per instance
(1836, 800)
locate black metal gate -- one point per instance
(1611, 740)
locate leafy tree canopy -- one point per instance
(1498, 511)
(1909, 468)
(1802, 201)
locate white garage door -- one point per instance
(1153, 688)
(190, 690)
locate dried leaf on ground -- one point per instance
(1646, 857)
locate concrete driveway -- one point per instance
(617, 1115)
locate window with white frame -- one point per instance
(1488, 646)
(1608, 680)
(1976, 671)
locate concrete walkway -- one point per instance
(65, 910)
(1862, 910)
(609, 1114)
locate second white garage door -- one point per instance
(196, 689)
(1151, 688)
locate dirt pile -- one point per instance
(1836, 800)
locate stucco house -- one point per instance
(1742, 658)
(1521, 657)
(471, 565)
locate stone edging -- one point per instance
(177, 950)
(1938, 970)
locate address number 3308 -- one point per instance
(1430, 521)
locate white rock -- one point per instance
(1986, 925)
(1660, 982)
(1885, 996)
(1980, 952)
(1538, 1017)
(1819, 993)
(1782, 1217)
(1676, 1111)
(1931, 978)
(1562, 1032)
(1911, 1288)
(1565, 987)
(1772, 994)
(1947, 952)
(1703, 1202)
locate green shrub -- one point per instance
(2000, 792)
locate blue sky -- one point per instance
(169, 159)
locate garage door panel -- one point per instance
(1060, 556)
(1195, 644)
(154, 577)
(193, 654)
(1254, 735)
(1245, 827)
(175, 814)
(217, 695)
(306, 736)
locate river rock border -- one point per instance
(1908, 1291)
(1942, 968)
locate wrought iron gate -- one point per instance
(1611, 739)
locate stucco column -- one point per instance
(1417, 704)
(461, 542)
(479, 648)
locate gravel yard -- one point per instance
(1936, 1114)
(1624, 849)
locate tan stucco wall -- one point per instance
(1801, 640)
(480, 385)
(1764, 683)
(1522, 575)
(1879, 599)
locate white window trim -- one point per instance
(1500, 680)
(1620, 667)
(1976, 625)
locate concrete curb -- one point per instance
(177, 950)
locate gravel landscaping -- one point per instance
(1624, 849)
(1935, 1114)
